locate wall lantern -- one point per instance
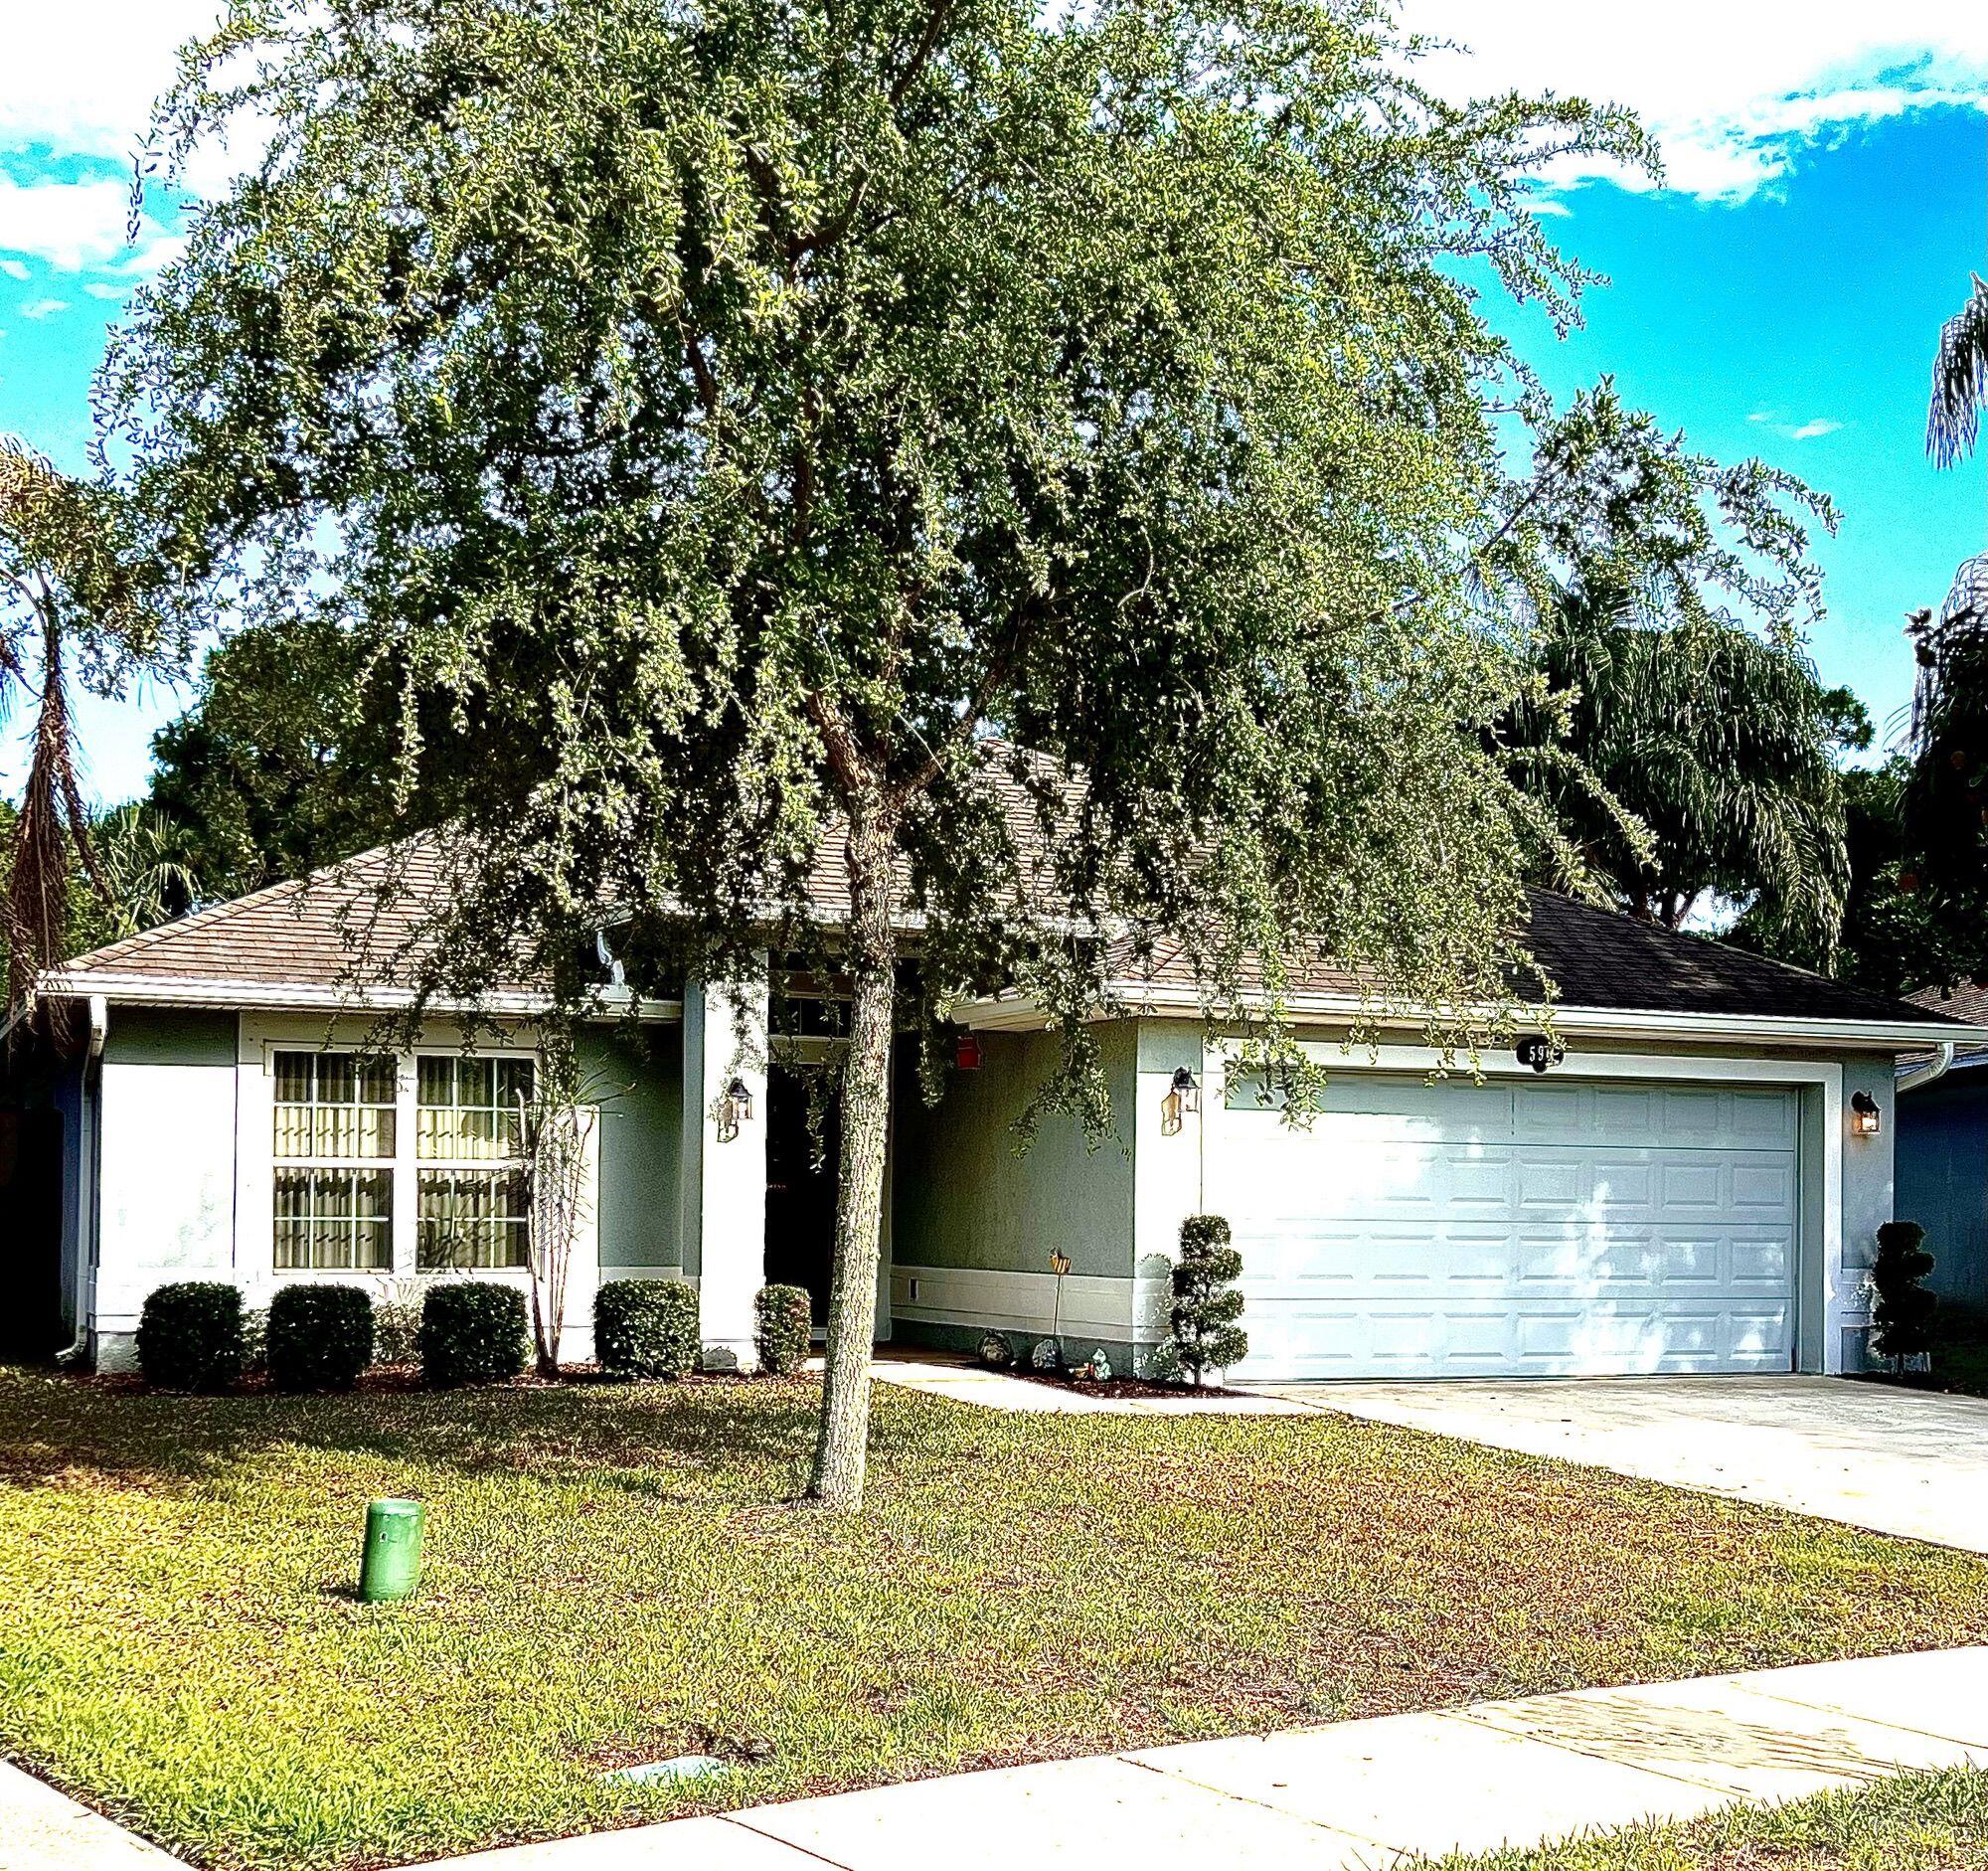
(967, 1052)
(1183, 1099)
(1866, 1120)
(733, 1109)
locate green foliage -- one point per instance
(1207, 1306)
(190, 1335)
(783, 1328)
(277, 770)
(320, 1337)
(646, 1328)
(396, 1331)
(472, 1332)
(1676, 734)
(1902, 1310)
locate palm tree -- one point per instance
(1959, 380)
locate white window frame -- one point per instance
(460, 1165)
(261, 1039)
(316, 1162)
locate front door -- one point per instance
(802, 1168)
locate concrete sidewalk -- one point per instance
(1363, 1794)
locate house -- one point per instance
(1693, 1188)
(1942, 1150)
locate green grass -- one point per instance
(615, 1575)
(1921, 1822)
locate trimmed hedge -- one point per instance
(320, 1337)
(190, 1335)
(783, 1328)
(645, 1328)
(472, 1333)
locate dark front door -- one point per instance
(31, 1197)
(800, 1185)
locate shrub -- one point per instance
(1902, 1313)
(320, 1337)
(997, 1351)
(1207, 1306)
(190, 1335)
(472, 1333)
(645, 1328)
(783, 1328)
(396, 1331)
(255, 1341)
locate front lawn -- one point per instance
(613, 1576)
(1921, 1822)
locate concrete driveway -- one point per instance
(1901, 1461)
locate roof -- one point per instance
(299, 943)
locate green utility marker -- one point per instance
(391, 1560)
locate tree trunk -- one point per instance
(842, 1447)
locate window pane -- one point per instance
(436, 1081)
(471, 1218)
(293, 1078)
(328, 1106)
(335, 1078)
(334, 1217)
(376, 1082)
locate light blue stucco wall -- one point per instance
(638, 1084)
(1942, 1179)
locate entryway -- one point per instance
(804, 1158)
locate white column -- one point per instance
(725, 1169)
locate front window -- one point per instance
(472, 1199)
(349, 1127)
(335, 1123)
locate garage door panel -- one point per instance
(1555, 1229)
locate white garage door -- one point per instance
(1517, 1228)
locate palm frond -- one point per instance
(1959, 380)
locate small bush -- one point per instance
(190, 1335)
(320, 1337)
(997, 1351)
(472, 1333)
(645, 1328)
(1904, 1312)
(783, 1328)
(396, 1331)
(255, 1341)
(1206, 1304)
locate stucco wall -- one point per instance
(639, 1088)
(1943, 1179)
(166, 1176)
(975, 1218)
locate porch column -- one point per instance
(725, 1165)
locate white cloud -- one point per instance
(77, 227)
(1806, 431)
(13, 269)
(1732, 90)
(43, 308)
(80, 77)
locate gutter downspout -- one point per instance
(86, 1231)
(1934, 1068)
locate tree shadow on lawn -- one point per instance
(57, 1429)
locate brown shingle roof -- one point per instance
(311, 934)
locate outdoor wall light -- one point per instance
(1866, 1120)
(1183, 1099)
(733, 1109)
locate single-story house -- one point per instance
(1694, 1187)
(1942, 1150)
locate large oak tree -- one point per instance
(730, 428)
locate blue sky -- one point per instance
(1827, 195)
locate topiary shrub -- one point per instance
(1205, 1336)
(645, 1328)
(472, 1333)
(1901, 1315)
(320, 1337)
(783, 1328)
(396, 1331)
(190, 1335)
